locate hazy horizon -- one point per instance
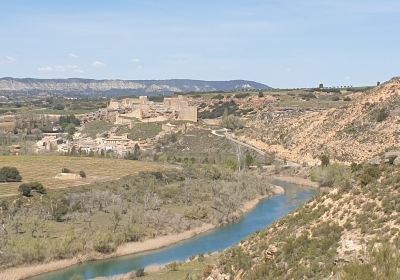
(272, 42)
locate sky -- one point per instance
(282, 43)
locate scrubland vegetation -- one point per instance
(97, 218)
(361, 209)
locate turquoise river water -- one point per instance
(265, 213)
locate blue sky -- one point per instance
(283, 43)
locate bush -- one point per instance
(347, 98)
(249, 160)
(369, 174)
(66, 170)
(380, 115)
(27, 188)
(242, 95)
(173, 266)
(260, 94)
(140, 272)
(82, 174)
(218, 96)
(331, 175)
(103, 244)
(324, 160)
(9, 174)
(59, 107)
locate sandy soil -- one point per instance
(23, 272)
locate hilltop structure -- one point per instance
(130, 109)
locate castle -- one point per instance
(173, 108)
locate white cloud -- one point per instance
(61, 68)
(98, 63)
(135, 60)
(7, 60)
(73, 55)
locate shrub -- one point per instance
(324, 160)
(369, 174)
(331, 175)
(260, 94)
(65, 170)
(347, 98)
(9, 174)
(103, 244)
(231, 164)
(383, 264)
(218, 96)
(173, 266)
(207, 271)
(242, 95)
(140, 272)
(59, 107)
(355, 167)
(380, 114)
(27, 188)
(249, 160)
(82, 174)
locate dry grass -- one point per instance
(44, 169)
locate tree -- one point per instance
(9, 174)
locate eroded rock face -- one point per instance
(351, 133)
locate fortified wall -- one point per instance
(173, 108)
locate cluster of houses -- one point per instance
(110, 143)
(118, 145)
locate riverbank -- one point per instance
(300, 181)
(24, 272)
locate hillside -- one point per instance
(121, 87)
(350, 232)
(355, 132)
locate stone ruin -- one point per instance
(129, 109)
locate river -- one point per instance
(265, 213)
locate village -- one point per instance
(120, 114)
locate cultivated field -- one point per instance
(43, 169)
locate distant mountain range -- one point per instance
(90, 87)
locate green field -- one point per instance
(43, 169)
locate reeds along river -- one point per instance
(265, 213)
